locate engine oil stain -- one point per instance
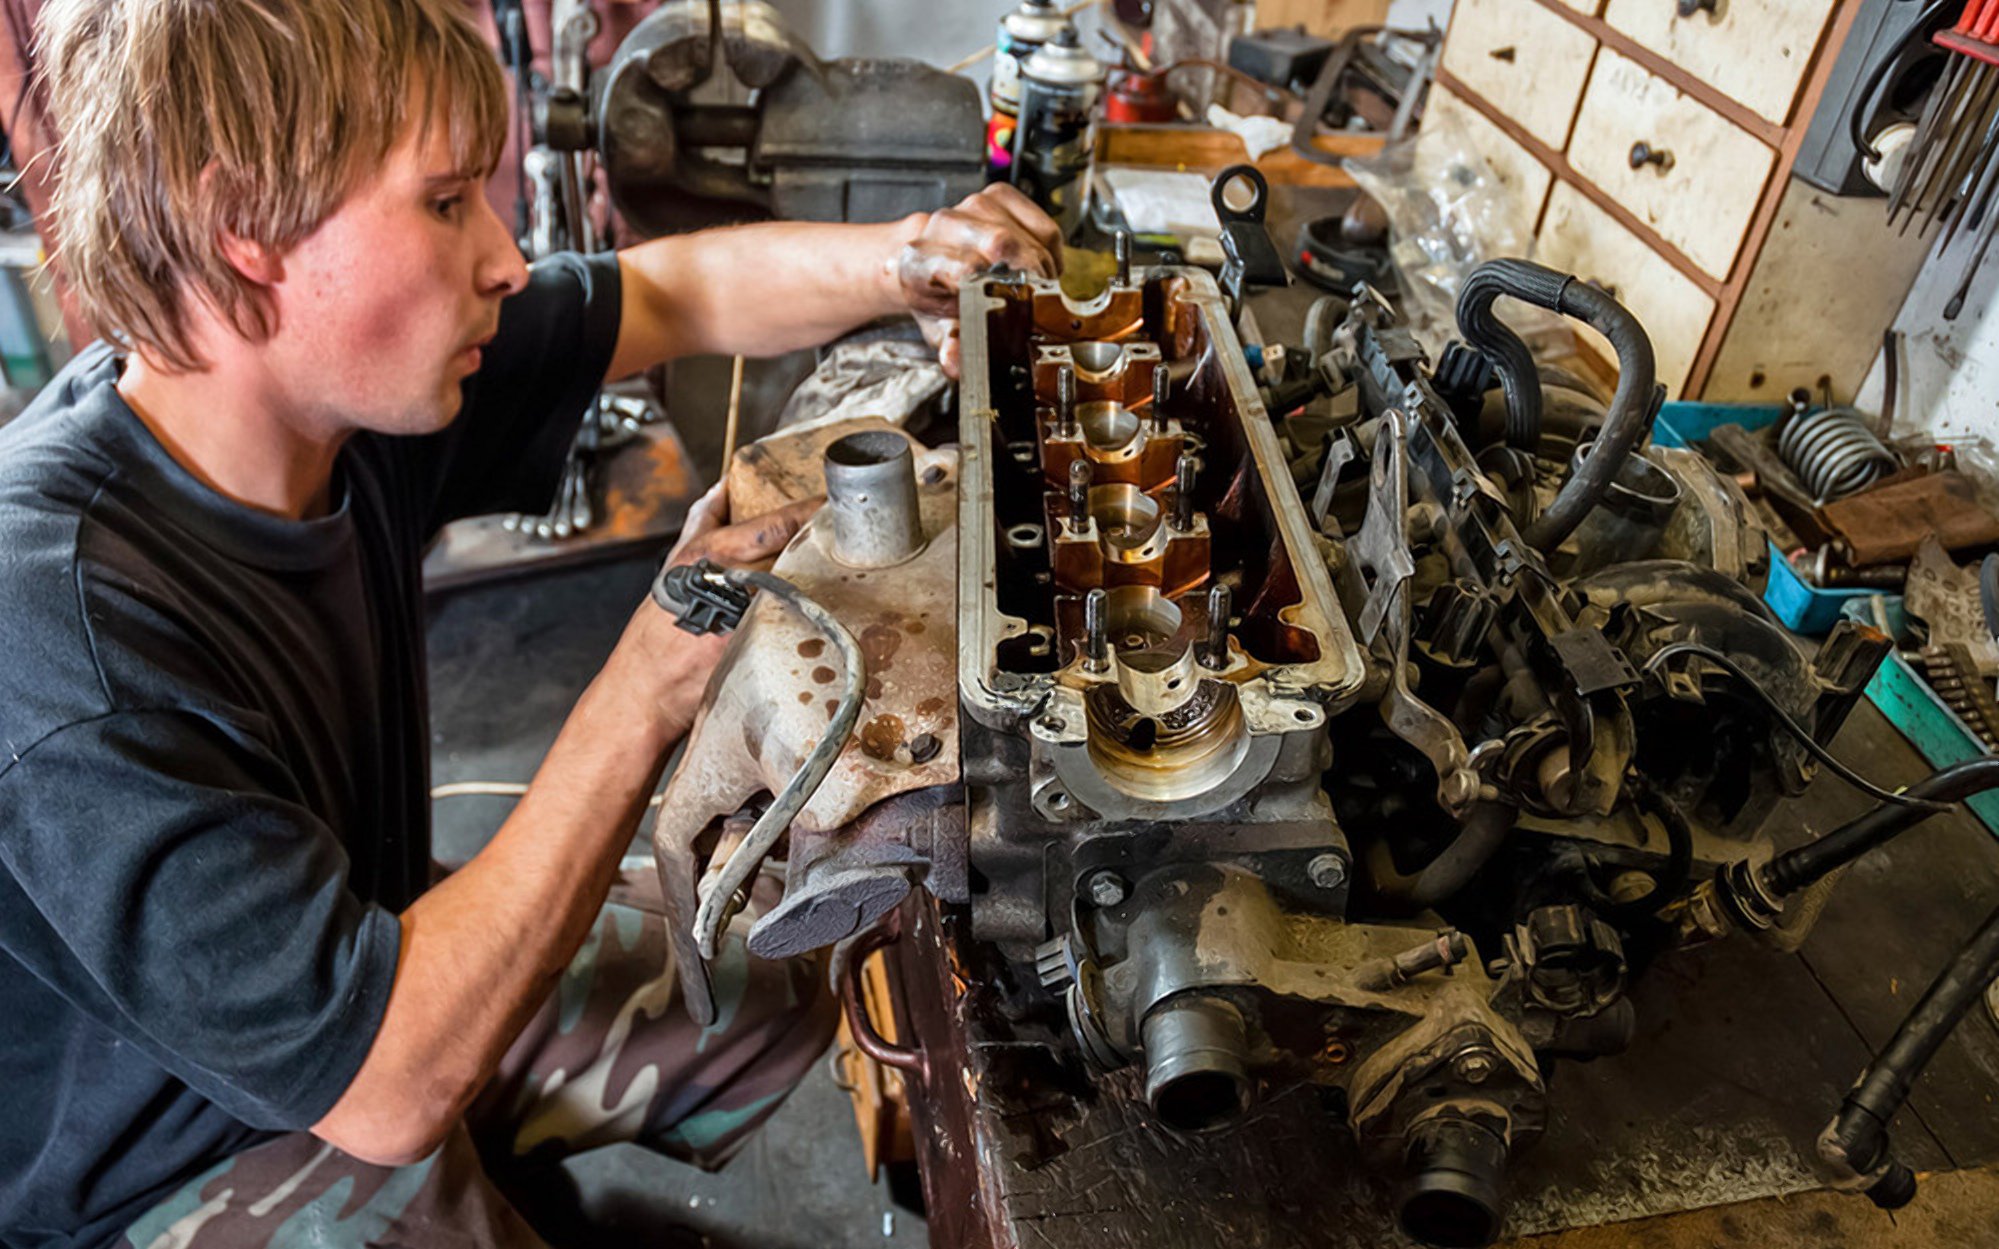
(881, 735)
(812, 648)
(822, 674)
(880, 643)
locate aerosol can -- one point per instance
(1060, 86)
(1022, 31)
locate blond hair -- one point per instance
(179, 121)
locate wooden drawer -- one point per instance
(1702, 199)
(1755, 51)
(1580, 238)
(1523, 181)
(1528, 61)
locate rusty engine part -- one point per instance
(1393, 795)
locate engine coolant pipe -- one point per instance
(1632, 407)
(1450, 1196)
(1196, 1062)
(871, 501)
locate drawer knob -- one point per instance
(1643, 154)
(1690, 7)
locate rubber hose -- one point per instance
(1626, 424)
(1483, 832)
(1857, 1138)
(1518, 378)
(1795, 869)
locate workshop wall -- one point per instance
(1949, 371)
(938, 33)
(1412, 14)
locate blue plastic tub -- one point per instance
(1802, 606)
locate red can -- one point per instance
(1135, 96)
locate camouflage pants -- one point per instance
(610, 1057)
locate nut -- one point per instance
(1327, 871)
(1474, 1066)
(1106, 888)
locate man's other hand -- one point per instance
(996, 226)
(668, 666)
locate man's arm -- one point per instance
(482, 949)
(760, 290)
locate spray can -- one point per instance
(1059, 89)
(1022, 31)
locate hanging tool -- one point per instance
(1953, 164)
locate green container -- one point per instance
(1926, 720)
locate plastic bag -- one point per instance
(1448, 214)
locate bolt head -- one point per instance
(1106, 888)
(1475, 1067)
(1327, 871)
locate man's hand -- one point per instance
(996, 226)
(668, 666)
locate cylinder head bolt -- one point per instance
(1183, 492)
(1080, 476)
(871, 501)
(1065, 401)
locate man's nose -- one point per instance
(502, 269)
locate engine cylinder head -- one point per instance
(871, 502)
(1196, 1064)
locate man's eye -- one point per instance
(447, 206)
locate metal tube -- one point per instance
(1162, 384)
(1121, 247)
(1065, 401)
(871, 500)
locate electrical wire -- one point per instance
(718, 904)
(1796, 730)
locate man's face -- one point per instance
(382, 309)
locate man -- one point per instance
(232, 1011)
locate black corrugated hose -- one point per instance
(1857, 1137)
(1632, 407)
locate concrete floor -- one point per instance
(507, 661)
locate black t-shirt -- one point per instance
(214, 764)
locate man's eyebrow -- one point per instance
(443, 181)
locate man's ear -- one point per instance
(259, 264)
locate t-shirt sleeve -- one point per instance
(186, 901)
(536, 379)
